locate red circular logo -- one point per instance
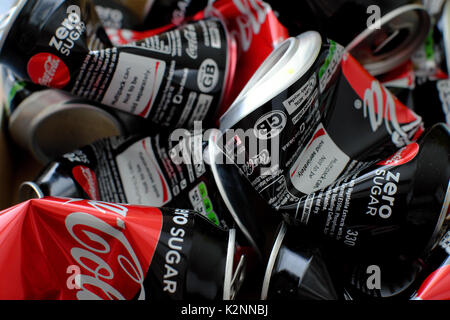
(48, 70)
(402, 156)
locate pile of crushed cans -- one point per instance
(228, 149)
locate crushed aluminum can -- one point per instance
(381, 35)
(252, 24)
(172, 79)
(393, 207)
(51, 122)
(177, 169)
(293, 110)
(85, 249)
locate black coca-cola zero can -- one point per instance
(393, 207)
(162, 170)
(174, 78)
(195, 260)
(285, 130)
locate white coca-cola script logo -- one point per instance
(80, 226)
(50, 68)
(192, 42)
(263, 158)
(249, 23)
(379, 111)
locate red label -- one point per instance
(318, 134)
(378, 102)
(402, 156)
(48, 70)
(436, 286)
(76, 249)
(87, 179)
(123, 36)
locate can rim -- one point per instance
(8, 19)
(212, 159)
(269, 64)
(229, 264)
(60, 108)
(42, 106)
(29, 190)
(380, 67)
(29, 107)
(274, 59)
(275, 62)
(272, 259)
(442, 217)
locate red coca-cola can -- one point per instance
(81, 249)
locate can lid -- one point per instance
(397, 35)
(283, 67)
(49, 124)
(80, 123)
(29, 190)
(272, 259)
(212, 154)
(9, 10)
